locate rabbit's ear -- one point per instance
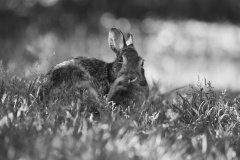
(116, 40)
(129, 39)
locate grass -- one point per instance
(201, 125)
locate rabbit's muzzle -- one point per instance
(134, 76)
(131, 79)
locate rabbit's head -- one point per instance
(128, 63)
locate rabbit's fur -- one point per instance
(123, 81)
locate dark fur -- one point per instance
(112, 79)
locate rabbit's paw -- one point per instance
(121, 83)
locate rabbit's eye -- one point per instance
(120, 59)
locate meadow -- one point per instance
(201, 124)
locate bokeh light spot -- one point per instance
(149, 25)
(165, 37)
(48, 2)
(107, 20)
(124, 24)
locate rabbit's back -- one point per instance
(81, 72)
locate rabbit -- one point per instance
(122, 81)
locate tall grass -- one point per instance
(201, 125)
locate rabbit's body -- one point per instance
(80, 72)
(123, 81)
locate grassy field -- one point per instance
(202, 125)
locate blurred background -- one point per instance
(180, 40)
